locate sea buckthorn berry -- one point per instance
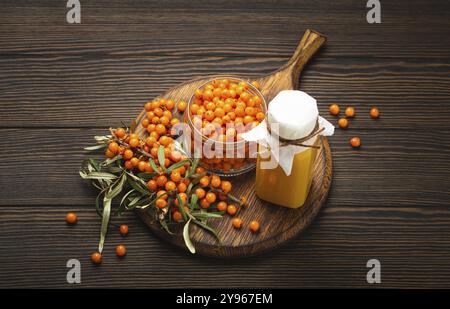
(254, 226)
(222, 206)
(215, 181)
(161, 203)
(142, 166)
(71, 218)
(113, 147)
(158, 111)
(183, 198)
(177, 216)
(96, 258)
(109, 154)
(121, 251)
(160, 129)
(128, 165)
(134, 142)
(162, 194)
(170, 185)
(334, 109)
(200, 193)
(210, 197)
(175, 156)
(127, 154)
(231, 210)
(175, 176)
(343, 123)
(225, 186)
(200, 170)
(181, 106)
(237, 223)
(165, 140)
(374, 113)
(161, 180)
(170, 104)
(134, 161)
(181, 187)
(204, 181)
(355, 142)
(164, 120)
(145, 122)
(150, 141)
(204, 204)
(350, 112)
(120, 132)
(123, 229)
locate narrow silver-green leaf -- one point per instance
(114, 191)
(153, 165)
(187, 239)
(208, 228)
(96, 147)
(98, 175)
(206, 215)
(177, 165)
(181, 207)
(126, 195)
(161, 157)
(194, 200)
(105, 223)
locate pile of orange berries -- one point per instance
(355, 141)
(225, 108)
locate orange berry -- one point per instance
(343, 123)
(256, 84)
(152, 185)
(71, 218)
(334, 109)
(254, 226)
(204, 181)
(355, 142)
(161, 180)
(109, 154)
(350, 112)
(374, 113)
(182, 187)
(225, 186)
(177, 216)
(165, 140)
(164, 120)
(134, 161)
(161, 203)
(113, 147)
(181, 106)
(128, 154)
(96, 258)
(222, 206)
(158, 112)
(120, 132)
(142, 166)
(183, 198)
(204, 204)
(170, 104)
(123, 229)
(237, 223)
(215, 181)
(200, 193)
(231, 210)
(162, 195)
(210, 197)
(260, 116)
(134, 142)
(160, 129)
(175, 176)
(170, 185)
(199, 170)
(121, 250)
(128, 165)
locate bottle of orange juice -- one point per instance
(291, 135)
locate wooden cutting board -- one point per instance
(278, 224)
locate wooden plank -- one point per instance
(74, 91)
(393, 167)
(410, 242)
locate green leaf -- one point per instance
(114, 191)
(187, 239)
(165, 227)
(191, 171)
(153, 165)
(126, 195)
(98, 175)
(177, 165)
(208, 228)
(194, 200)
(109, 161)
(105, 222)
(147, 176)
(206, 215)
(97, 203)
(95, 165)
(91, 148)
(181, 207)
(161, 157)
(137, 186)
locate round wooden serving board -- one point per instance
(278, 224)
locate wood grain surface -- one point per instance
(61, 84)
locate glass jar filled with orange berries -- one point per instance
(218, 112)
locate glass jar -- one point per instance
(225, 157)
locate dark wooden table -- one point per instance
(61, 84)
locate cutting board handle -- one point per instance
(309, 44)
